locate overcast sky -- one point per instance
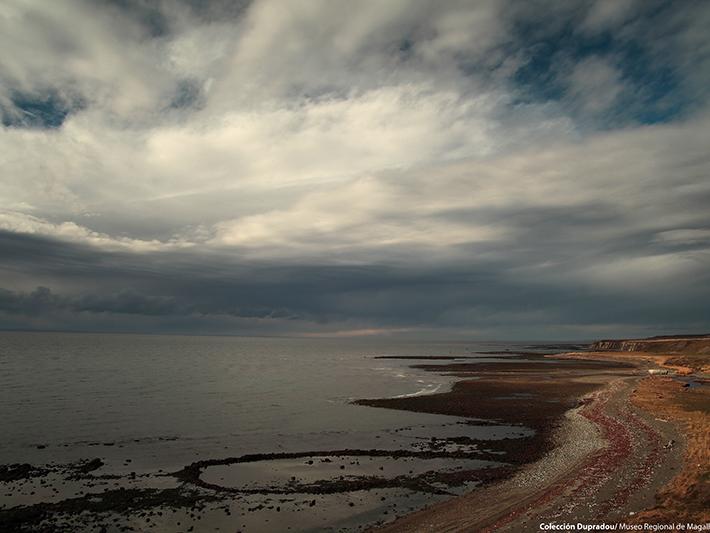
(438, 169)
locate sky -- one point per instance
(493, 169)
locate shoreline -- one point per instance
(611, 458)
(578, 436)
(351, 485)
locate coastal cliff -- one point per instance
(687, 345)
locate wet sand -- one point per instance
(534, 393)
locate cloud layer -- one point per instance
(319, 167)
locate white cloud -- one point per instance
(325, 139)
(685, 236)
(604, 14)
(363, 214)
(594, 84)
(88, 55)
(16, 222)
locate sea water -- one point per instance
(154, 403)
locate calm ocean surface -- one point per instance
(70, 389)
(165, 401)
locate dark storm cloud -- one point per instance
(492, 294)
(43, 301)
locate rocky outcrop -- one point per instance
(688, 345)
